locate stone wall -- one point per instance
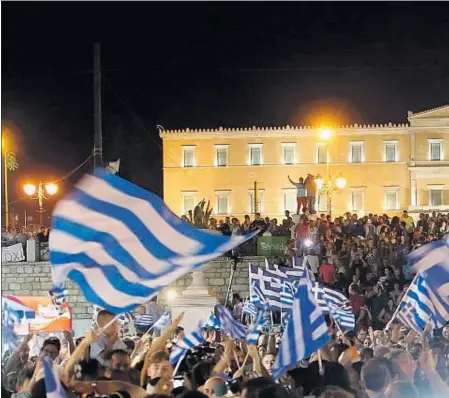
(34, 279)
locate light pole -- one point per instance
(9, 165)
(39, 192)
(326, 186)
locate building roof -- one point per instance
(440, 111)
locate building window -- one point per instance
(322, 203)
(289, 153)
(290, 200)
(222, 202)
(391, 199)
(436, 149)
(188, 202)
(321, 153)
(436, 197)
(188, 156)
(255, 154)
(390, 151)
(356, 152)
(357, 200)
(221, 155)
(260, 206)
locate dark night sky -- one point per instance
(208, 65)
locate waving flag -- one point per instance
(325, 296)
(287, 294)
(249, 308)
(421, 305)
(284, 272)
(256, 328)
(122, 245)
(52, 384)
(306, 331)
(9, 319)
(163, 322)
(265, 288)
(344, 317)
(229, 324)
(190, 341)
(212, 322)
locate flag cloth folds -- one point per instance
(189, 341)
(306, 331)
(284, 272)
(265, 288)
(422, 305)
(249, 308)
(163, 322)
(212, 322)
(256, 328)
(229, 324)
(9, 318)
(53, 386)
(122, 245)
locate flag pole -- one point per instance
(399, 305)
(177, 366)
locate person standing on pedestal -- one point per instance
(301, 198)
(310, 185)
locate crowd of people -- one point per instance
(14, 235)
(372, 363)
(364, 258)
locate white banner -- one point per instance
(12, 254)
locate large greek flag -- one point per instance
(189, 341)
(306, 331)
(432, 261)
(122, 245)
(229, 324)
(265, 288)
(421, 305)
(284, 272)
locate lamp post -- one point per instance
(39, 192)
(325, 186)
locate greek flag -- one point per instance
(163, 322)
(325, 297)
(122, 245)
(265, 288)
(422, 304)
(306, 331)
(212, 322)
(344, 317)
(9, 319)
(284, 272)
(229, 324)
(256, 328)
(190, 341)
(249, 308)
(52, 384)
(432, 261)
(287, 294)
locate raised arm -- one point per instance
(291, 181)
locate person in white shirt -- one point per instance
(109, 340)
(313, 262)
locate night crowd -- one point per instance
(363, 257)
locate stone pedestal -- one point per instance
(195, 302)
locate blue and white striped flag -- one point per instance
(249, 308)
(212, 322)
(122, 245)
(284, 272)
(229, 324)
(325, 296)
(287, 294)
(256, 328)
(421, 305)
(163, 322)
(306, 331)
(265, 288)
(344, 317)
(52, 384)
(190, 341)
(9, 336)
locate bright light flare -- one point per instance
(325, 134)
(171, 294)
(29, 189)
(308, 243)
(340, 181)
(51, 189)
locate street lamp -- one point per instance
(326, 186)
(39, 192)
(10, 165)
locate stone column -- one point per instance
(413, 193)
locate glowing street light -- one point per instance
(326, 186)
(40, 191)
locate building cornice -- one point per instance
(287, 131)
